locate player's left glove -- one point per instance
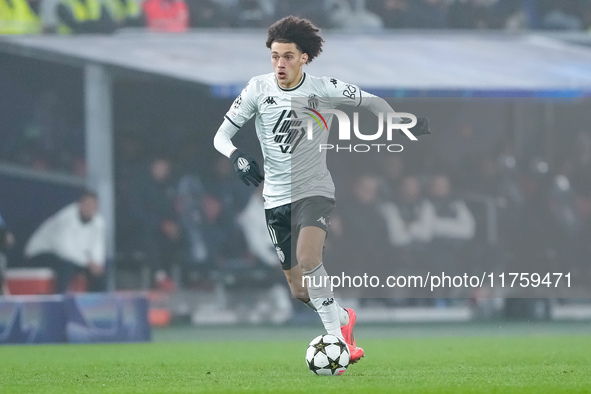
(421, 128)
(247, 169)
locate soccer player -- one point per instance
(298, 190)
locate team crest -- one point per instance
(280, 254)
(243, 164)
(313, 101)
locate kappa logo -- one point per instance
(243, 164)
(270, 100)
(328, 301)
(334, 82)
(322, 220)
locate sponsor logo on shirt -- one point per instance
(350, 91)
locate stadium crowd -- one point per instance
(180, 207)
(106, 16)
(396, 213)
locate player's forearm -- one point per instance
(223, 138)
(377, 105)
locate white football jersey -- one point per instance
(294, 165)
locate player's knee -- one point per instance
(301, 293)
(309, 261)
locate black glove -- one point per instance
(246, 168)
(421, 128)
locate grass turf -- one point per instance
(550, 364)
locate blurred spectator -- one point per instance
(582, 246)
(316, 11)
(130, 166)
(126, 13)
(154, 212)
(562, 200)
(19, 17)
(71, 242)
(255, 13)
(352, 15)
(207, 13)
(253, 223)
(191, 196)
(582, 151)
(587, 17)
(393, 167)
(469, 14)
(394, 13)
(85, 16)
(365, 231)
(409, 223)
(167, 15)
(561, 15)
(408, 218)
(53, 136)
(569, 197)
(427, 14)
(225, 200)
(6, 242)
(532, 242)
(453, 225)
(511, 15)
(479, 174)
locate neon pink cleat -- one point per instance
(355, 353)
(347, 330)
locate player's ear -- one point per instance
(304, 58)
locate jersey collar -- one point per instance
(295, 87)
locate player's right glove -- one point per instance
(421, 128)
(246, 168)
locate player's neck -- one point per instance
(296, 81)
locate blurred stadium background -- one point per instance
(130, 111)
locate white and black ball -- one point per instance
(327, 355)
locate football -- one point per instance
(327, 355)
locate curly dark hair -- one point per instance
(301, 32)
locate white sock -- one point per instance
(343, 315)
(329, 314)
(323, 299)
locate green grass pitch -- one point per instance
(456, 364)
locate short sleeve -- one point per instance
(244, 107)
(342, 93)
